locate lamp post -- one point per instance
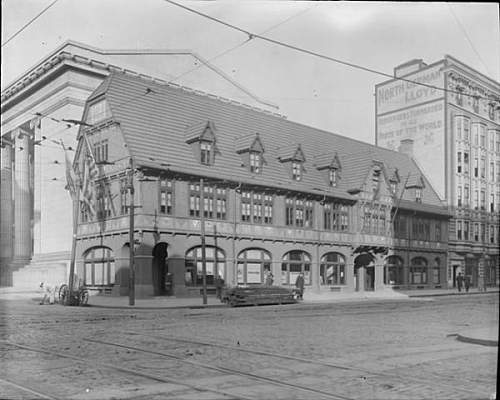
(131, 281)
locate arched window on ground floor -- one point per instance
(332, 269)
(418, 271)
(99, 267)
(253, 266)
(393, 271)
(294, 262)
(215, 262)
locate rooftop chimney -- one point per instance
(406, 147)
(409, 67)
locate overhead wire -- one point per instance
(468, 38)
(252, 35)
(29, 23)
(242, 43)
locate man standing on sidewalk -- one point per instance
(460, 281)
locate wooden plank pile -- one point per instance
(258, 294)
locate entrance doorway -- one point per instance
(162, 280)
(364, 272)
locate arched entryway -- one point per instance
(364, 272)
(215, 264)
(162, 280)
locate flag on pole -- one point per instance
(90, 173)
(71, 178)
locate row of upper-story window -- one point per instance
(484, 233)
(481, 136)
(478, 167)
(477, 199)
(417, 228)
(256, 207)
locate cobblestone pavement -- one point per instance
(369, 350)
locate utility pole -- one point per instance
(203, 253)
(131, 281)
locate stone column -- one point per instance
(379, 273)
(349, 273)
(6, 205)
(360, 284)
(22, 199)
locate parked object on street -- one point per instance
(256, 295)
(78, 297)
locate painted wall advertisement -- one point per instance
(425, 125)
(399, 94)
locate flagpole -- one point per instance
(76, 212)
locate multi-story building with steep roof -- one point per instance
(259, 193)
(447, 116)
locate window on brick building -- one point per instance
(124, 196)
(476, 232)
(483, 168)
(335, 216)
(101, 151)
(459, 196)
(466, 163)
(299, 212)
(166, 195)
(483, 200)
(459, 230)
(256, 207)
(296, 170)
(466, 230)
(459, 162)
(466, 196)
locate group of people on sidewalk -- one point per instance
(463, 282)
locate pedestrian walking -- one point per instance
(467, 283)
(460, 281)
(219, 284)
(299, 284)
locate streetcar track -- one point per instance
(298, 359)
(225, 370)
(28, 389)
(124, 370)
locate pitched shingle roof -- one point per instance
(155, 126)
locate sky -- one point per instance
(307, 89)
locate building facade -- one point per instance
(40, 111)
(450, 123)
(256, 193)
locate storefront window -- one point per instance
(253, 265)
(99, 267)
(393, 271)
(332, 269)
(215, 262)
(418, 271)
(295, 262)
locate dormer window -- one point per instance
(98, 112)
(375, 182)
(394, 186)
(206, 153)
(296, 170)
(418, 195)
(255, 162)
(332, 177)
(202, 138)
(251, 150)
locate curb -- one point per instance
(483, 342)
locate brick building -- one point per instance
(270, 195)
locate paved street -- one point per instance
(357, 350)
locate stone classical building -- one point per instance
(43, 107)
(454, 136)
(263, 194)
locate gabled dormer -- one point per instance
(415, 186)
(293, 158)
(251, 150)
(394, 180)
(329, 167)
(202, 137)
